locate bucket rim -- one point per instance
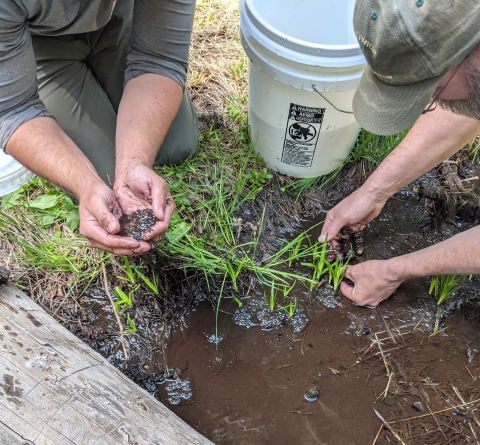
(257, 19)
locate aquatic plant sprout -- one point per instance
(319, 264)
(271, 300)
(130, 276)
(290, 308)
(125, 300)
(336, 272)
(238, 301)
(234, 274)
(132, 328)
(442, 287)
(152, 284)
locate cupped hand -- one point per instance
(99, 214)
(138, 187)
(345, 221)
(373, 283)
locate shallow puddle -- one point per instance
(249, 384)
(250, 387)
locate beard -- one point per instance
(469, 107)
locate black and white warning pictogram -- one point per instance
(301, 135)
(302, 132)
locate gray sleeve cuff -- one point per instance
(14, 118)
(138, 64)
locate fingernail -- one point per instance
(110, 227)
(322, 238)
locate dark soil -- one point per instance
(250, 388)
(4, 274)
(136, 224)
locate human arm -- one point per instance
(42, 146)
(139, 134)
(434, 137)
(155, 78)
(29, 134)
(374, 281)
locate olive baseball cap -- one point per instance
(409, 45)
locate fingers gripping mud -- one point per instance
(347, 245)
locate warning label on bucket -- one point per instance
(301, 135)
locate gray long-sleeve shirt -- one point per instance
(159, 40)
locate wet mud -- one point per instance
(135, 225)
(4, 274)
(252, 377)
(251, 388)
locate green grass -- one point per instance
(125, 301)
(131, 324)
(336, 272)
(50, 249)
(443, 287)
(319, 263)
(369, 148)
(290, 308)
(272, 297)
(151, 284)
(208, 189)
(46, 203)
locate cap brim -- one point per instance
(384, 109)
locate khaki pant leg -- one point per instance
(80, 81)
(108, 61)
(76, 99)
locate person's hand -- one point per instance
(99, 214)
(345, 221)
(138, 187)
(373, 283)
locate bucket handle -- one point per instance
(341, 111)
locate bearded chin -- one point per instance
(464, 107)
(469, 107)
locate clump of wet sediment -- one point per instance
(452, 190)
(136, 225)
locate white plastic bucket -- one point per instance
(12, 174)
(295, 47)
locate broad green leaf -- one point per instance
(181, 200)
(177, 229)
(45, 201)
(48, 220)
(73, 220)
(12, 199)
(69, 204)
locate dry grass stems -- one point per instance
(217, 64)
(410, 386)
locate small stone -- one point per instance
(366, 331)
(311, 395)
(279, 337)
(418, 407)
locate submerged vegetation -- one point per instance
(442, 288)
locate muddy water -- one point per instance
(250, 387)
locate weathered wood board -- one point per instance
(56, 390)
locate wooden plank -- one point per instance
(55, 390)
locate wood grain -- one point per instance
(54, 389)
